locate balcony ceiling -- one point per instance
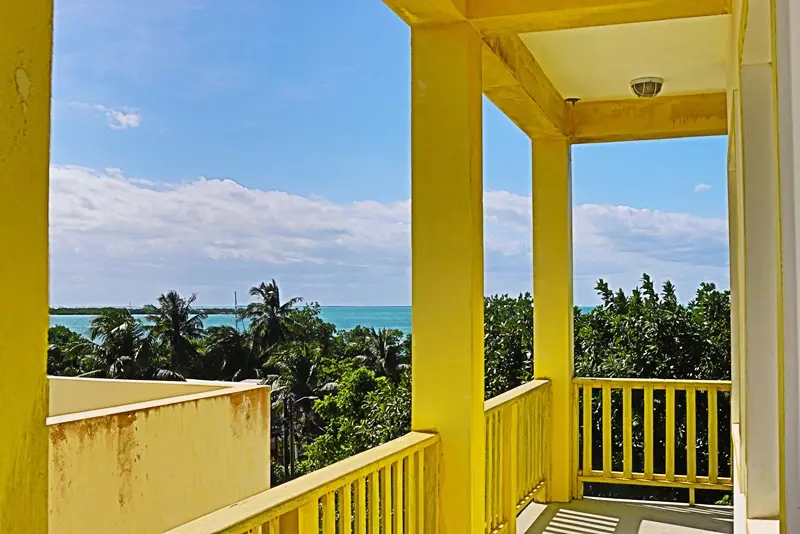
(597, 63)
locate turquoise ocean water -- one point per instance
(344, 317)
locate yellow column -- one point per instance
(447, 263)
(25, 52)
(760, 296)
(552, 298)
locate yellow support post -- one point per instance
(760, 409)
(25, 59)
(552, 292)
(447, 263)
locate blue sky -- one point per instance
(207, 145)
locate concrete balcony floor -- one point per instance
(605, 516)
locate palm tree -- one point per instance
(270, 320)
(384, 354)
(296, 381)
(118, 348)
(231, 354)
(176, 324)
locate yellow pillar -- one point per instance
(760, 297)
(447, 263)
(25, 53)
(553, 352)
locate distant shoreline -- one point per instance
(134, 311)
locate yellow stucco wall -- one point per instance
(149, 467)
(71, 395)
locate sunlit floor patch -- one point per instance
(605, 516)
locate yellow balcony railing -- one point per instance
(390, 489)
(619, 438)
(517, 452)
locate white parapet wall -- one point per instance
(150, 466)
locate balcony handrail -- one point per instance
(616, 394)
(657, 383)
(303, 494)
(517, 453)
(512, 395)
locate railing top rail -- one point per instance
(658, 383)
(513, 395)
(261, 507)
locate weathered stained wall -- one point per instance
(25, 52)
(149, 467)
(72, 395)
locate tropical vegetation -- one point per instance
(339, 392)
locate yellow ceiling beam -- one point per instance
(416, 12)
(494, 17)
(512, 79)
(516, 84)
(661, 117)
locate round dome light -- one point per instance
(647, 87)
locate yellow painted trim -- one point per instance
(654, 118)
(677, 483)
(296, 494)
(419, 12)
(25, 79)
(742, 29)
(515, 82)
(655, 383)
(512, 396)
(493, 17)
(779, 251)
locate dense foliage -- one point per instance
(339, 392)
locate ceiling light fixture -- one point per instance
(647, 87)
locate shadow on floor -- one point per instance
(605, 516)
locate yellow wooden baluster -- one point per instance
(587, 430)
(691, 435)
(627, 433)
(648, 432)
(374, 503)
(329, 513)
(607, 430)
(713, 458)
(670, 434)
(361, 506)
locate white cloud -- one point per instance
(118, 239)
(699, 188)
(117, 119)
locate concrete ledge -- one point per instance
(73, 394)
